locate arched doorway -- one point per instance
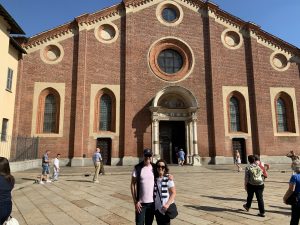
(174, 124)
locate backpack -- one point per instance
(255, 173)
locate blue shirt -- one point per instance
(5, 190)
(295, 179)
(97, 157)
(181, 154)
(46, 160)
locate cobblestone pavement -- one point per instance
(205, 195)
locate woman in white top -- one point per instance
(237, 160)
(164, 192)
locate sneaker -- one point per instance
(96, 181)
(41, 182)
(261, 214)
(48, 181)
(245, 207)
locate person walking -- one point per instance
(45, 168)
(101, 171)
(56, 168)
(96, 160)
(181, 157)
(294, 187)
(7, 182)
(254, 184)
(164, 193)
(142, 189)
(295, 159)
(237, 160)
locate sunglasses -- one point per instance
(163, 167)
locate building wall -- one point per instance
(9, 59)
(87, 64)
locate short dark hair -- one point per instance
(251, 158)
(256, 157)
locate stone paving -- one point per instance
(211, 194)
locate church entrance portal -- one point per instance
(171, 139)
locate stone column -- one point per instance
(155, 135)
(196, 157)
(188, 144)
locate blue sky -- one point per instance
(278, 17)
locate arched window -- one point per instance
(105, 113)
(50, 114)
(281, 116)
(234, 111)
(49, 108)
(285, 113)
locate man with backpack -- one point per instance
(254, 183)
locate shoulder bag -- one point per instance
(292, 200)
(172, 210)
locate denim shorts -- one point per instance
(46, 169)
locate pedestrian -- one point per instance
(237, 160)
(181, 157)
(294, 158)
(142, 189)
(101, 171)
(254, 184)
(7, 183)
(96, 160)
(45, 168)
(294, 187)
(56, 168)
(264, 166)
(164, 193)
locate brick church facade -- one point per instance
(163, 75)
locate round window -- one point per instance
(169, 14)
(170, 61)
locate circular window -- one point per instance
(52, 53)
(279, 61)
(231, 39)
(169, 13)
(106, 33)
(170, 59)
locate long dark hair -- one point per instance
(5, 170)
(166, 167)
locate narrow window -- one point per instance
(105, 113)
(9, 79)
(4, 129)
(49, 125)
(282, 124)
(234, 115)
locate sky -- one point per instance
(277, 17)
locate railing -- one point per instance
(19, 148)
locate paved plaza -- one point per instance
(211, 194)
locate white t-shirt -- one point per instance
(56, 162)
(158, 205)
(146, 184)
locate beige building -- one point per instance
(10, 53)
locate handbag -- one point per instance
(172, 210)
(292, 200)
(11, 221)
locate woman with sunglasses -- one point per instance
(164, 192)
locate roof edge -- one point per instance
(15, 28)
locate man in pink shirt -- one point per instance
(142, 186)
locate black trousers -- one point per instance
(295, 214)
(258, 190)
(162, 219)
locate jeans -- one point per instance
(162, 219)
(146, 216)
(5, 211)
(258, 190)
(55, 174)
(295, 214)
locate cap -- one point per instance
(147, 152)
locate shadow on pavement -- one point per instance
(215, 209)
(224, 198)
(86, 181)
